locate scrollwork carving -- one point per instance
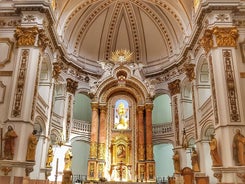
(189, 71)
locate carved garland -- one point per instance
(231, 87)
(174, 87)
(20, 84)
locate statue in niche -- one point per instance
(50, 156)
(121, 119)
(31, 147)
(68, 160)
(238, 148)
(9, 138)
(195, 160)
(214, 152)
(176, 159)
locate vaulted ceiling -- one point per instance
(154, 30)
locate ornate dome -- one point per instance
(154, 30)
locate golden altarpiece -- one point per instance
(121, 138)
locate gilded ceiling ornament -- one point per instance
(121, 56)
(189, 71)
(174, 87)
(226, 36)
(26, 36)
(207, 40)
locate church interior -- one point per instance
(117, 91)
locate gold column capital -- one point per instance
(26, 36)
(226, 36)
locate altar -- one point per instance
(121, 147)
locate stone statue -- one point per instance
(50, 156)
(238, 148)
(31, 147)
(195, 160)
(176, 159)
(67, 159)
(214, 152)
(9, 144)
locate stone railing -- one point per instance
(81, 126)
(163, 128)
(162, 132)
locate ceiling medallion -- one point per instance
(121, 56)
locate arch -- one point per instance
(132, 86)
(39, 125)
(202, 81)
(186, 98)
(206, 130)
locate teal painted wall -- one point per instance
(82, 108)
(163, 154)
(80, 152)
(162, 110)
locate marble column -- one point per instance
(141, 136)
(94, 130)
(149, 146)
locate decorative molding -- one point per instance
(231, 86)
(6, 47)
(2, 92)
(20, 83)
